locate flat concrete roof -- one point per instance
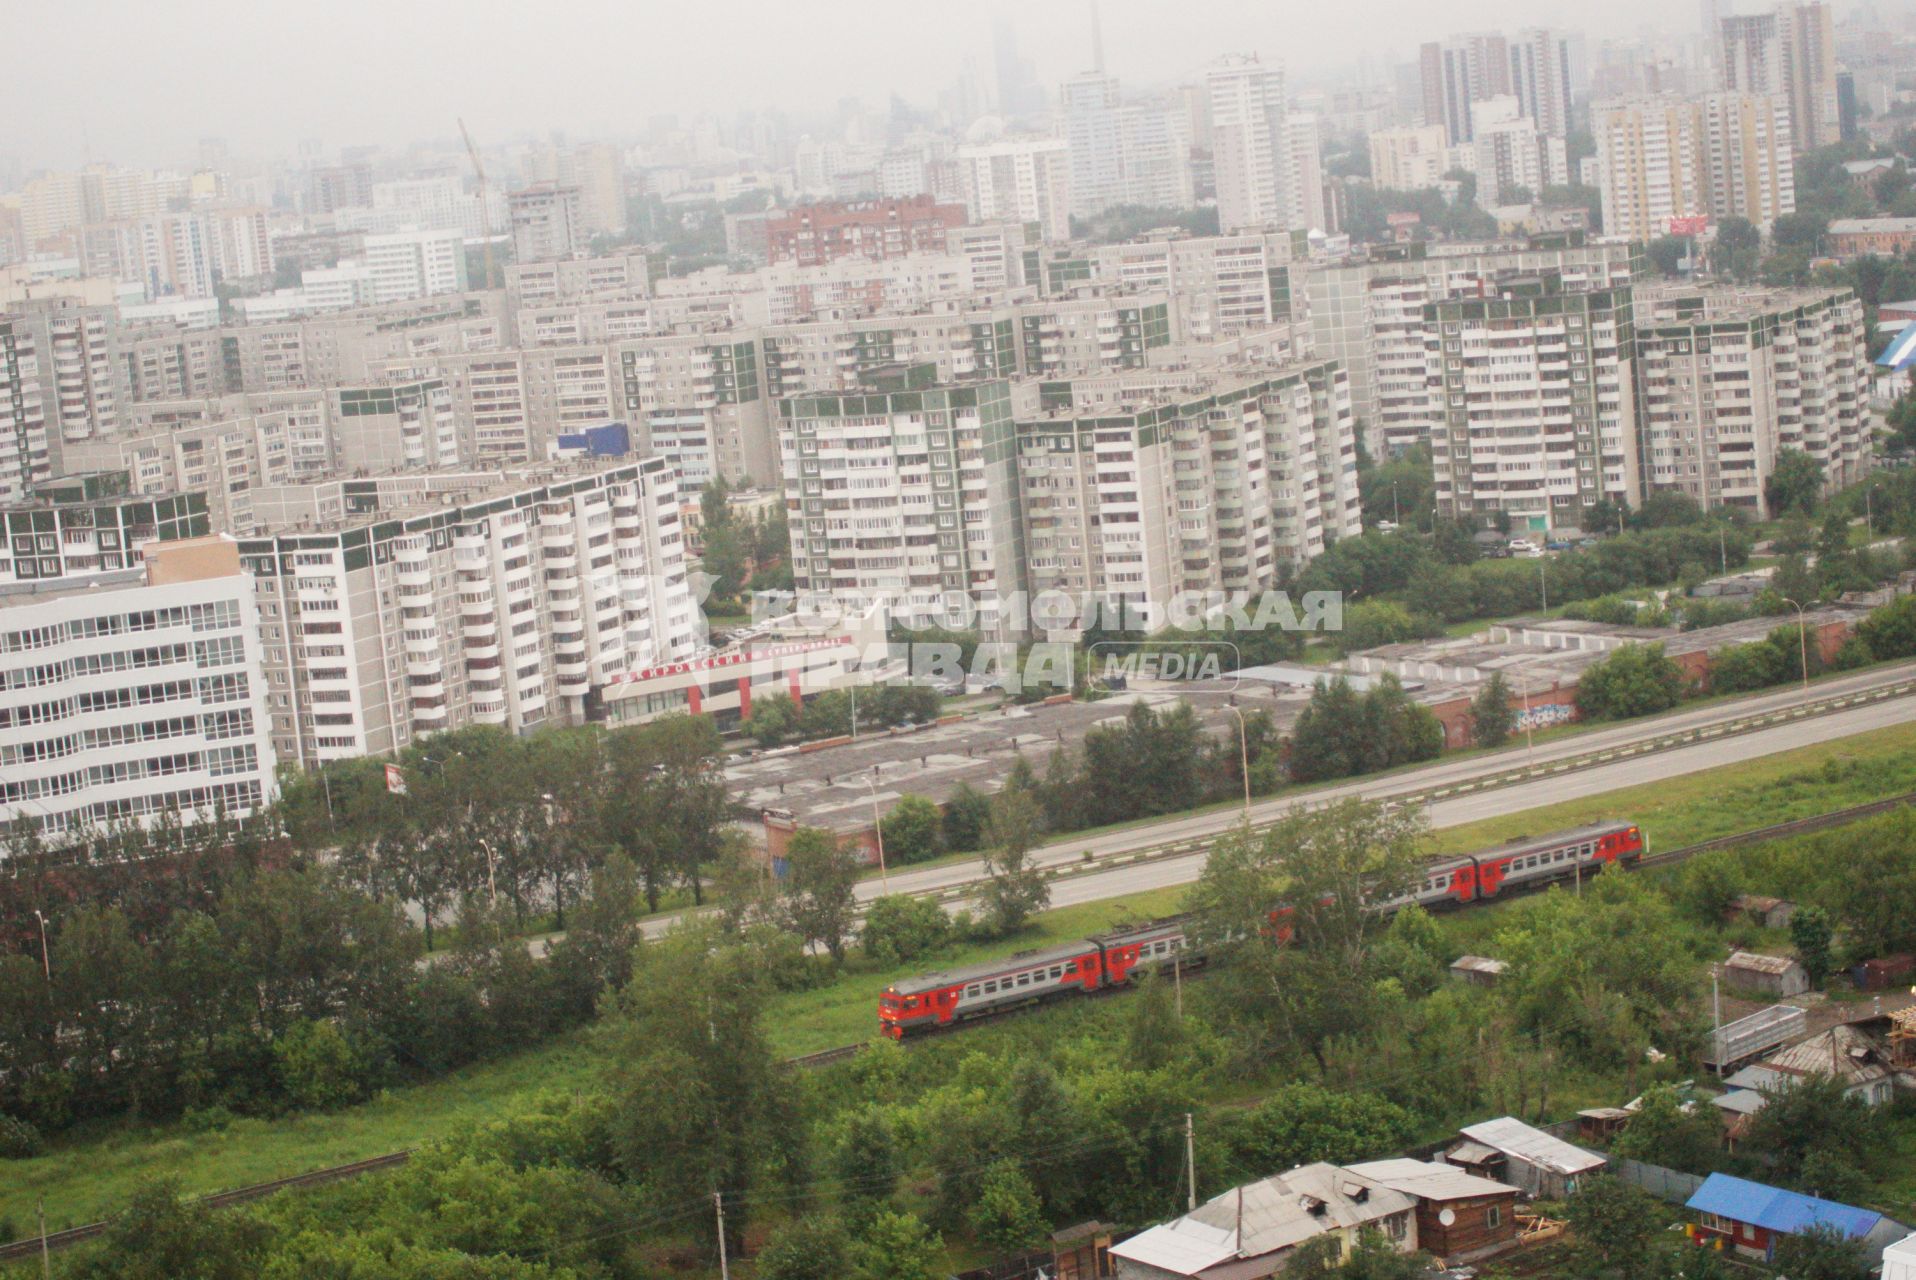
(828, 787)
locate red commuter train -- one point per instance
(939, 1000)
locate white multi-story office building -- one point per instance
(132, 694)
(1018, 180)
(1727, 379)
(393, 607)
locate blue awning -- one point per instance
(1901, 350)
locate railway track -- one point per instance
(57, 1240)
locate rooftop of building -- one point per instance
(828, 788)
(1677, 304)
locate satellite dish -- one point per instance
(1448, 1217)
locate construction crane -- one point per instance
(485, 206)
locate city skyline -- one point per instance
(354, 74)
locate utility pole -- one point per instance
(718, 1202)
(1190, 1160)
(46, 1262)
(1716, 1021)
(1177, 981)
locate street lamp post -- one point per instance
(1802, 641)
(492, 864)
(1244, 757)
(878, 834)
(46, 962)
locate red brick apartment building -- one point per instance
(811, 234)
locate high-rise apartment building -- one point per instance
(548, 221)
(1512, 157)
(1789, 52)
(810, 234)
(135, 695)
(1540, 77)
(415, 264)
(1408, 159)
(1370, 316)
(1137, 154)
(1719, 155)
(1265, 158)
(396, 606)
(1458, 72)
(910, 492)
(91, 523)
(24, 459)
(1141, 486)
(1729, 378)
(1019, 180)
(1536, 401)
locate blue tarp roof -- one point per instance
(1901, 349)
(1776, 1209)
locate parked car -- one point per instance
(1557, 544)
(1524, 547)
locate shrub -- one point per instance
(318, 1067)
(901, 928)
(19, 1139)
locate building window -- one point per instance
(1494, 1216)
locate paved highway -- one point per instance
(1090, 886)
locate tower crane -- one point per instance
(485, 206)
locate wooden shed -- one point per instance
(1771, 975)
(1460, 1217)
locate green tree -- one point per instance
(1795, 483)
(774, 720)
(1007, 1217)
(899, 1246)
(900, 928)
(820, 889)
(1613, 1224)
(1821, 1252)
(913, 831)
(1890, 631)
(1662, 1132)
(1301, 1123)
(1666, 253)
(967, 810)
(1490, 714)
(317, 1066)
(1636, 680)
(723, 540)
(807, 1248)
(1813, 936)
(1014, 888)
(702, 1101)
(1814, 1116)
(1322, 864)
(162, 1237)
(866, 1165)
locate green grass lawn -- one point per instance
(91, 1176)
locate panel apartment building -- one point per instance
(396, 606)
(133, 692)
(1728, 379)
(909, 490)
(1142, 486)
(1535, 387)
(1370, 315)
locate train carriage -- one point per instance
(1123, 955)
(943, 999)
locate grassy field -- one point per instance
(90, 1177)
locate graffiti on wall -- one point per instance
(1545, 714)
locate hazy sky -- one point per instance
(142, 82)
